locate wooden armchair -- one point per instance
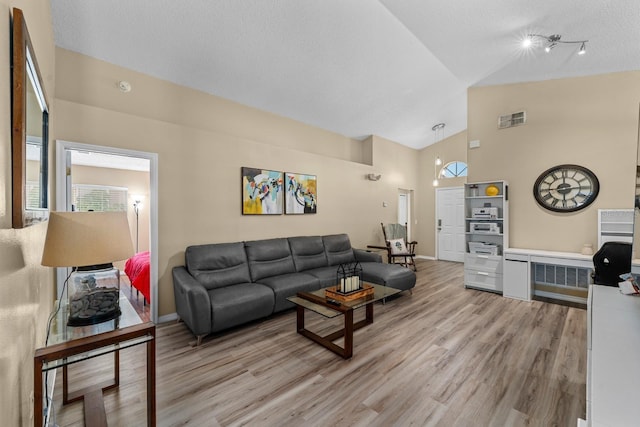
(399, 249)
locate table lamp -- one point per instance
(79, 239)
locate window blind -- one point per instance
(99, 198)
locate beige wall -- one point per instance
(202, 141)
(136, 183)
(26, 288)
(449, 149)
(91, 82)
(589, 121)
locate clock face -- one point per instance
(566, 188)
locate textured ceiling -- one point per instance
(391, 68)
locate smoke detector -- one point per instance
(124, 86)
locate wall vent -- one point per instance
(561, 275)
(511, 120)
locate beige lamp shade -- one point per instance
(78, 239)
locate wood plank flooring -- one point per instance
(444, 356)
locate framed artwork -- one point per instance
(261, 192)
(301, 193)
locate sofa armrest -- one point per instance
(364, 256)
(192, 301)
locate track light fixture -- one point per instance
(552, 41)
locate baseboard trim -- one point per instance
(426, 257)
(168, 318)
(560, 297)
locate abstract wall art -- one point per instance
(301, 193)
(262, 192)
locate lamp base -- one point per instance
(96, 306)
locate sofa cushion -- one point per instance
(238, 304)
(394, 276)
(288, 285)
(307, 252)
(267, 258)
(328, 276)
(338, 249)
(218, 265)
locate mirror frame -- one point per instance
(23, 62)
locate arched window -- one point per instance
(454, 169)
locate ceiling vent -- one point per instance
(511, 120)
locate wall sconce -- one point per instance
(373, 177)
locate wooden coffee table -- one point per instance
(317, 302)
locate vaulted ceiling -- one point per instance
(392, 68)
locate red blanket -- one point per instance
(137, 269)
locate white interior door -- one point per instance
(404, 210)
(403, 205)
(450, 224)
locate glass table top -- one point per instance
(61, 333)
(380, 292)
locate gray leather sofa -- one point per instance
(228, 284)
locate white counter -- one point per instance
(613, 377)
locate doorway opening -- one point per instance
(90, 177)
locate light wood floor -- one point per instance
(444, 356)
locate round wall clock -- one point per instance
(566, 188)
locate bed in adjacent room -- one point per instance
(137, 269)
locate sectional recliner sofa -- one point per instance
(227, 284)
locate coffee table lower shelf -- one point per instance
(327, 341)
(317, 302)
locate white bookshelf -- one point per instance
(615, 225)
(487, 235)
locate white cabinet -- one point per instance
(557, 270)
(487, 234)
(516, 277)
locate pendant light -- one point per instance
(438, 135)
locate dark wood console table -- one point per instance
(74, 344)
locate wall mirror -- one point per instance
(30, 131)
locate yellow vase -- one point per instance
(492, 190)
